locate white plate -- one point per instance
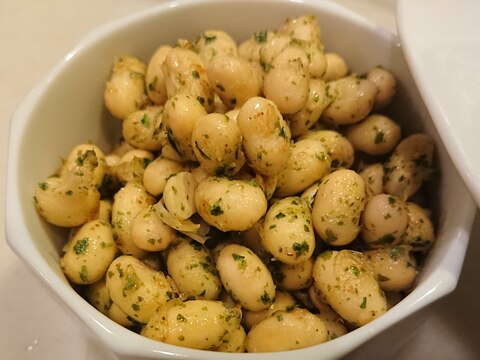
(441, 42)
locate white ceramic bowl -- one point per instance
(66, 108)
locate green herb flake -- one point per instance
(363, 305)
(422, 161)
(260, 37)
(331, 236)
(396, 252)
(280, 215)
(220, 87)
(216, 209)
(266, 299)
(335, 163)
(300, 249)
(201, 100)
(146, 161)
(209, 38)
(378, 137)
(145, 120)
(84, 273)
(195, 74)
(266, 67)
(326, 255)
(279, 317)
(225, 170)
(131, 282)
(180, 317)
(195, 245)
(81, 246)
(83, 156)
(385, 239)
(355, 270)
(392, 200)
(43, 185)
(135, 307)
(240, 259)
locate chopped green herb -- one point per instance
(385, 239)
(209, 38)
(265, 298)
(422, 160)
(326, 255)
(195, 74)
(331, 236)
(81, 246)
(335, 163)
(83, 156)
(363, 305)
(240, 259)
(146, 161)
(131, 282)
(135, 307)
(355, 270)
(266, 67)
(196, 245)
(43, 185)
(300, 248)
(378, 137)
(225, 170)
(216, 209)
(261, 36)
(84, 273)
(180, 317)
(145, 120)
(396, 252)
(280, 215)
(392, 200)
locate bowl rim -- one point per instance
(112, 334)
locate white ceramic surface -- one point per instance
(444, 282)
(441, 42)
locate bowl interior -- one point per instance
(67, 109)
